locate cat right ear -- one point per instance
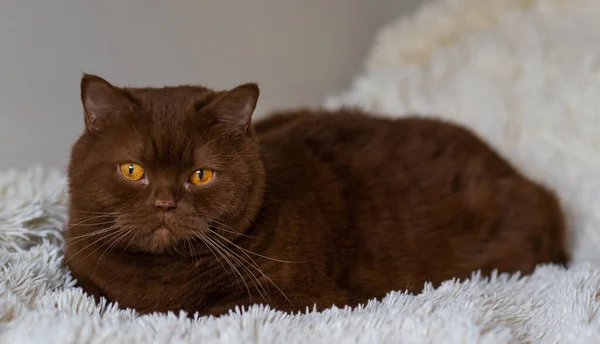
(101, 101)
(235, 107)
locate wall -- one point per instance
(298, 51)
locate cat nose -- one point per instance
(165, 205)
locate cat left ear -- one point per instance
(236, 106)
(101, 102)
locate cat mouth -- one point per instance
(167, 240)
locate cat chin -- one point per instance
(163, 241)
(160, 241)
(162, 237)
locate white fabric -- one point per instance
(525, 74)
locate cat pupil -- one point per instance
(130, 169)
(200, 174)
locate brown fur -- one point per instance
(306, 207)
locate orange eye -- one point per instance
(132, 172)
(201, 176)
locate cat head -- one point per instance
(160, 167)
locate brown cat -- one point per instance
(178, 202)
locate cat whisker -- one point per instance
(86, 221)
(260, 288)
(124, 234)
(130, 241)
(115, 229)
(256, 266)
(78, 238)
(252, 263)
(82, 224)
(192, 252)
(95, 212)
(189, 241)
(230, 230)
(210, 243)
(174, 248)
(190, 244)
(263, 293)
(91, 216)
(117, 232)
(257, 254)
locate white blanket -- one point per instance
(525, 74)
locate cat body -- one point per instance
(305, 207)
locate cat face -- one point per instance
(157, 169)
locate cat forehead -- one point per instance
(171, 100)
(167, 146)
(169, 113)
(161, 135)
(167, 126)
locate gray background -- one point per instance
(298, 50)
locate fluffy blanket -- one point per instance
(525, 74)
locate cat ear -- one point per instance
(235, 106)
(101, 101)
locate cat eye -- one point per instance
(131, 171)
(201, 176)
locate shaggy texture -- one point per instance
(525, 74)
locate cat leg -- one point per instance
(90, 288)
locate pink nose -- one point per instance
(165, 205)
